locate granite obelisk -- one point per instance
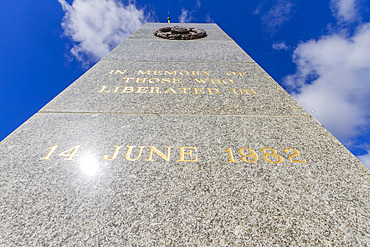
(179, 142)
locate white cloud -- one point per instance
(209, 19)
(198, 4)
(332, 81)
(277, 15)
(186, 16)
(258, 10)
(97, 26)
(280, 46)
(365, 159)
(344, 10)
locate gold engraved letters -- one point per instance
(173, 90)
(162, 82)
(270, 155)
(134, 153)
(182, 154)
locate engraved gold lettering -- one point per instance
(165, 80)
(215, 90)
(154, 90)
(217, 80)
(115, 153)
(170, 73)
(240, 91)
(102, 90)
(176, 80)
(142, 80)
(229, 81)
(120, 72)
(207, 72)
(270, 155)
(157, 72)
(127, 79)
(199, 91)
(129, 151)
(128, 90)
(52, 149)
(296, 153)
(155, 150)
(253, 154)
(153, 80)
(170, 89)
(115, 90)
(184, 89)
(249, 91)
(186, 154)
(73, 153)
(231, 156)
(184, 73)
(189, 152)
(273, 154)
(201, 80)
(195, 73)
(117, 72)
(143, 73)
(142, 90)
(230, 73)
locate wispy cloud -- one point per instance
(345, 10)
(274, 18)
(365, 159)
(209, 19)
(97, 26)
(258, 10)
(198, 4)
(186, 16)
(332, 81)
(280, 46)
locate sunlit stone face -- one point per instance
(89, 165)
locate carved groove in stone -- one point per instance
(180, 33)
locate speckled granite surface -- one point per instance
(190, 168)
(176, 88)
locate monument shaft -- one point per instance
(179, 142)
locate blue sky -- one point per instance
(319, 51)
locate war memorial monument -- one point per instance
(175, 141)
